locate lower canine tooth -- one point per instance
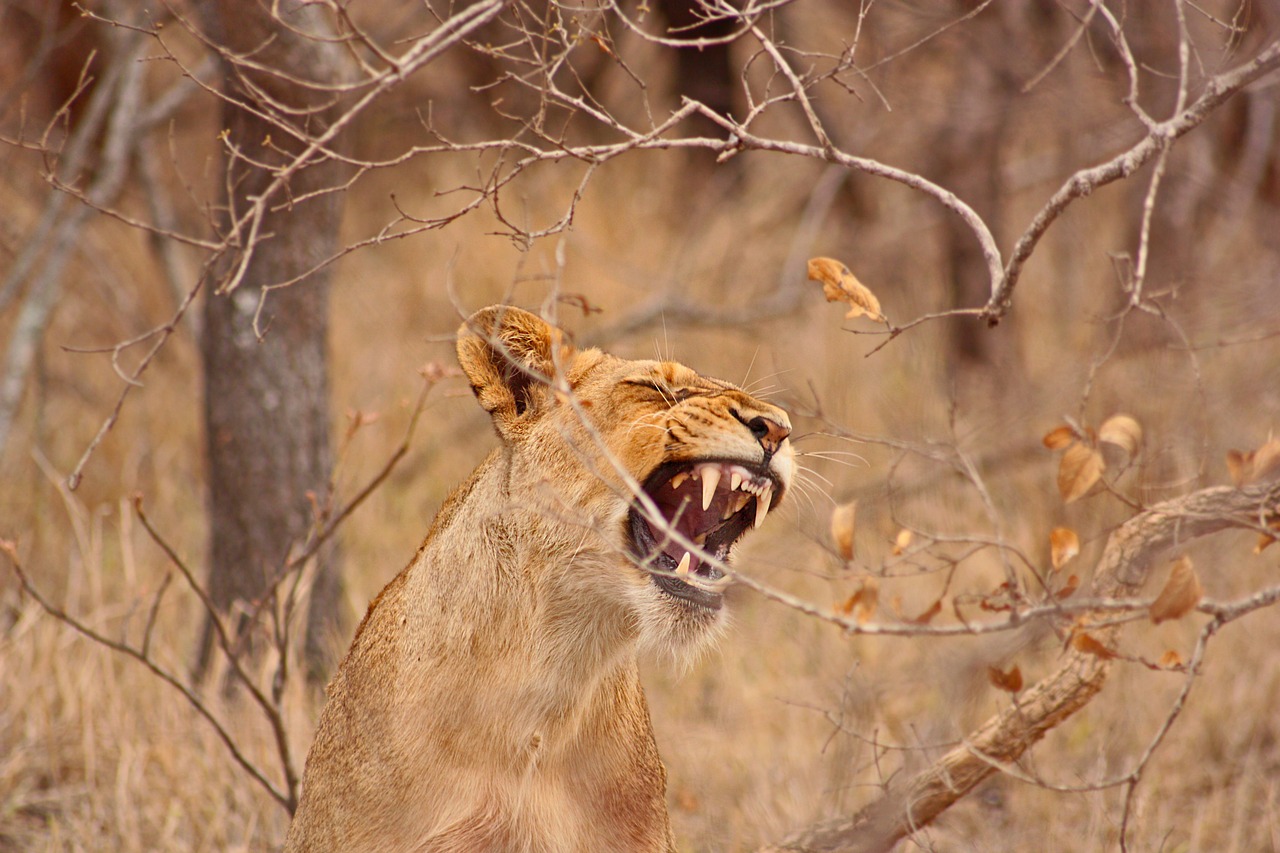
(710, 480)
(683, 568)
(762, 505)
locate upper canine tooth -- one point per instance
(710, 480)
(735, 480)
(762, 505)
(683, 568)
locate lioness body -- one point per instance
(491, 699)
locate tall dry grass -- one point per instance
(788, 721)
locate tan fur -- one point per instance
(490, 699)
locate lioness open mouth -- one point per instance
(711, 504)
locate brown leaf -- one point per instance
(1069, 588)
(1010, 681)
(1171, 660)
(862, 604)
(1080, 469)
(1124, 432)
(1063, 545)
(1181, 593)
(926, 617)
(1266, 460)
(901, 542)
(866, 608)
(1059, 437)
(1265, 539)
(1088, 644)
(1236, 467)
(999, 599)
(843, 521)
(840, 285)
(1254, 465)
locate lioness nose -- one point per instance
(768, 432)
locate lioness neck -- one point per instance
(523, 747)
(537, 640)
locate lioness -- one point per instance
(490, 700)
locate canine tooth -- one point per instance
(678, 479)
(762, 505)
(735, 480)
(710, 480)
(683, 568)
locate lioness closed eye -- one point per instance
(490, 700)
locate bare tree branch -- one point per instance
(1121, 571)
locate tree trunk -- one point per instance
(266, 397)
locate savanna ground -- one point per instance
(791, 719)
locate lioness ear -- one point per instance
(509, 356)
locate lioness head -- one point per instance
(651, 470)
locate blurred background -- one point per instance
(435, 203)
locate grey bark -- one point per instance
(266, 398)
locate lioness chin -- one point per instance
(490, 700)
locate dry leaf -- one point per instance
(1080, 469)
(1266, 460)
(926, 617)
(1089, 645)
(1069, 588)
(1063, 545)
(1265, 539)
(901, 542)
(1255, 465)
(862, 604)
(1010, 681)
(867, 606)
(1171, 660)
(1236, 467)
(1124, 432)
(1181, 593)
(840, 285)
(843, 519)
(1059, 437)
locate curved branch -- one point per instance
(1122, 569)
(1084, 182)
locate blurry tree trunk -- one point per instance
(266, 399)
(968, 149)
(704, 74)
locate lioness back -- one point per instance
(490, 700)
